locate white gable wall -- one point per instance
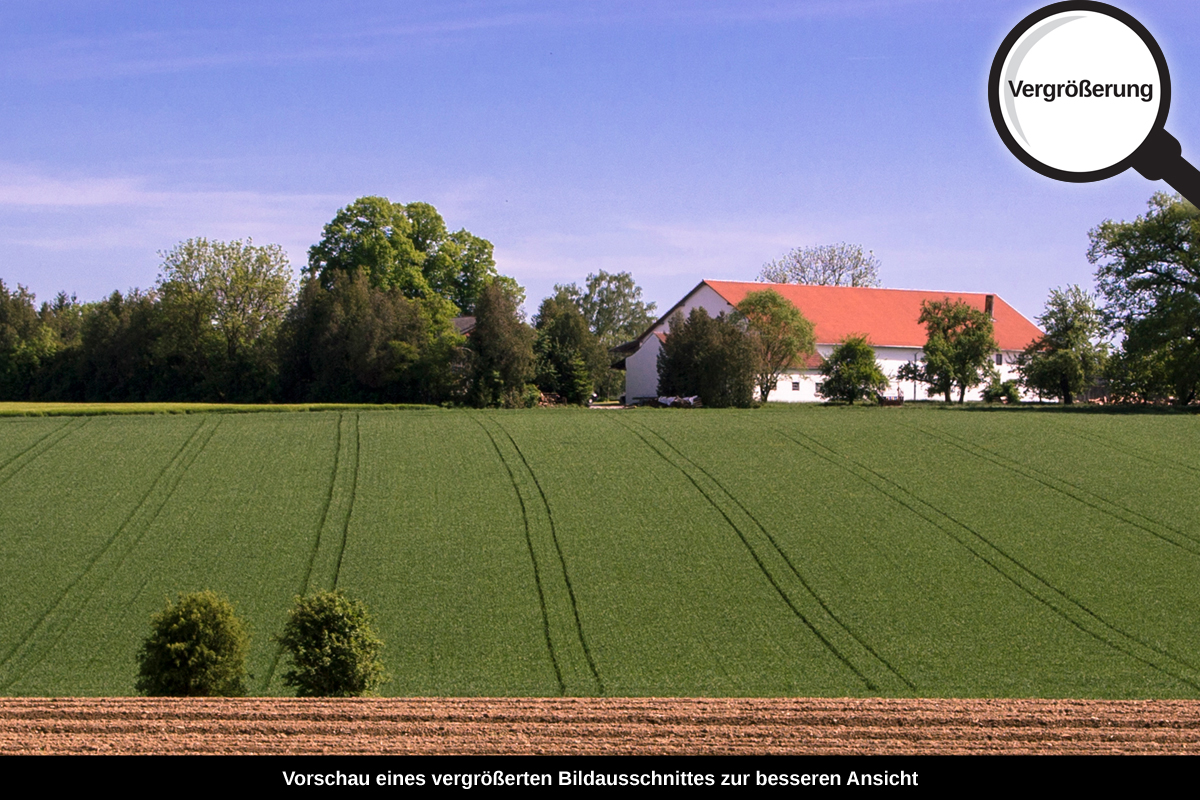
(641, 368)
(703, 296)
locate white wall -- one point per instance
(890, 359)
(703, 297)
(641, 371)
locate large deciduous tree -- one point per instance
(824, 265)
(374, 235)
(404, 247)
(779, 334)
(355, 342)
(1069, 356)
(958, 348)
(709, 357)
(1148, 272)
(612, 305)
(25, 343)
(225, 301)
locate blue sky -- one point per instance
(678, 141)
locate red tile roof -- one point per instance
(814, 361)
(885, 316)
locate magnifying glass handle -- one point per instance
(1160, 158)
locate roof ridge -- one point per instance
(711, 281)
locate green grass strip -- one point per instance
(100, 409)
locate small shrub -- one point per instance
(333, 650)
(1002, 392)
(851, 372)
(196, 648)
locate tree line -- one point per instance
(385, 307)
(392, 307)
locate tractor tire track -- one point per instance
(579, 673)
(337, 570)
(103, 549)
(325, 560)
(1191, 545)
(1011, 569)
(312, 556)
(1100, 440)
(562, 561)
(333, 474)
(77, 594)
(808, 588)
(537, 578)
(30, 454)
(838, 652)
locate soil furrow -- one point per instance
(597, 726)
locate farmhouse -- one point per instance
(888, 318)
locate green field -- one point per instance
(774, 552)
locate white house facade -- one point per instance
(887, 317)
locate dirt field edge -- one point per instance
(590, 726)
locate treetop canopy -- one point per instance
(406, 247)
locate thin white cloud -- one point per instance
(26, 189)
(167, 51)
(23, 187)
(54, 218)
(132, 53)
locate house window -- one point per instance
(999, 359)
(795, 386)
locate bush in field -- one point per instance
(999, 391)
(196, 648)
(333, 650)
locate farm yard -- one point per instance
(799, 552)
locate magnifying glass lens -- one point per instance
(1079, 92)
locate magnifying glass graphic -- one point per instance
(1079, 92)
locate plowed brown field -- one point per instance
(596, 726)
